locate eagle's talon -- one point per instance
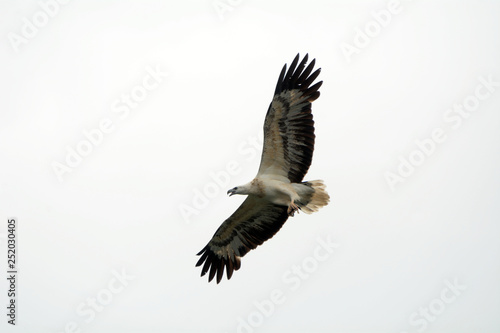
(292, 208)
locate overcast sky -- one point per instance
(123, 125)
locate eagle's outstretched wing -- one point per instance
(254, 222)
(289, 126)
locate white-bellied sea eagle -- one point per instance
(277, 191)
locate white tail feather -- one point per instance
(313, 196)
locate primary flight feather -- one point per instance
(277, 191)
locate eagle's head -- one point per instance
(233, 191)
(241, 189)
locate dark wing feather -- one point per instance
(254, 222)
(289, 126)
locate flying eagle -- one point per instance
(277, 191)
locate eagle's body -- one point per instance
(277, 191)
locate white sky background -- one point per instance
(119, 209)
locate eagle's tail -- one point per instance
(313, 195)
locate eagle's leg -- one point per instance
(292, 208)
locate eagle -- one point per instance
(277, 191)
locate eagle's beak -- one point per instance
(232, 191)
